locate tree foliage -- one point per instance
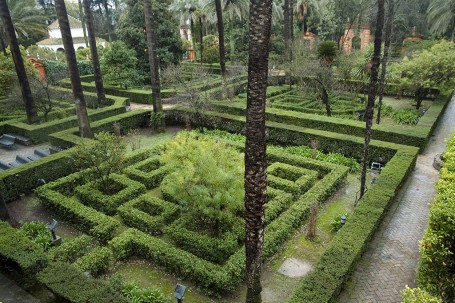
(206, 179)
(428, 69)
(118, 65)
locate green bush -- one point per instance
(68, 283)
(406, 116)
(96, 261)
(126, 189)
(18, 251)
(148, 172)
(148, 214)
(437, 248)
(38, 232)
(142, 295)
(70, 251)
(417, 295)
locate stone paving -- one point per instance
(11, 293)
(390, 262)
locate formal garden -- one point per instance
(124, 169)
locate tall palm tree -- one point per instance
(83, 21)
(150, 23)
(30, 107)
(27, 18)
(94, 52)
(260, 21)
(375, 62)
(220, 26)
(79, 100)
(441, 17)
(385, 57)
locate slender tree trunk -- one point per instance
(4, 214)
(201, 36)
(79, 100)
(375, 62)
(95, 58)
(153, 60)
(291, 33)
(286, 27)
(219, 19)
(30, 107)
(385, 59)
(231, 40)
(193, 39)
(260, 20)
(3, 46)
(108, 20)
(84, 28)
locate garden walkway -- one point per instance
(390, 262)
(11, 293)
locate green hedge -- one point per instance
(70, 251)
(213, 249)
(96, 261)
(90, 195)
(148, 214)
(289, 178)
(19, 252)
(148, 172)
(410, 135)
(436, 273)
(69, 284)
(325, 282)
(85, 218)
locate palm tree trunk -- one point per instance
(385, 58)
(3, 46)
(219, 19)
(286, 27)
(95, 58)
(84, 28)
(231, 40)
(79, 101)
(108, 21)
(30, 107)
(193, 39)
(4, 214)
(153, 60)
(255, 146)
(375, 62)
(201, 36)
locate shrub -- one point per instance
(142, 295)
(96, 261)
(71, 250)
(205, 179)
(417, 295)
(38, 232)
(336, 222)
(406, 116)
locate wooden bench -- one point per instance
(7, 140)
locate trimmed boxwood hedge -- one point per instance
(148, 172)
(69, 284)
(19, 252)
(325, 282)
(409, 135)
(437, 261)
(83, 217)
(148, 214)
(90, 195)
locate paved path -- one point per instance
(11, 293)
(390, 262)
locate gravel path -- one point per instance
(390, 262)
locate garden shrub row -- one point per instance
(92, 196)
(69, 284)
(148, 214)
(279, 133)
(208, 248)
(225, 278)
(96, 261)
(39, 133)
(148, 172)
(83, 217)
(411, 135)
(436, 272)
(295, 180)
(19, 252)
(71, 250)
(325, 282)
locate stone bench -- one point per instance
(19, 161)
(38, 154)
(4, 165)
(7, 140)
(21, 140)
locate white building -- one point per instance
(55, 42)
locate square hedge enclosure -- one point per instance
(152, 226)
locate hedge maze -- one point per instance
(157, 231)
